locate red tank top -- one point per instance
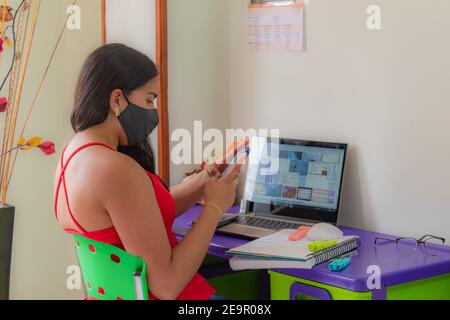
(198, 288)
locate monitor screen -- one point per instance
(293, 178)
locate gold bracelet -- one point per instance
(215, 208)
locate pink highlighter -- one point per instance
(300, 233)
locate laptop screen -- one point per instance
(293, 178)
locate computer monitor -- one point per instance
(295, 178)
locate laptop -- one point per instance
(288, 184)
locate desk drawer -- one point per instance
(435, 288)
(284, 287)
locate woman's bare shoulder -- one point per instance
(122, 182)
(105, 169)
(115, 165)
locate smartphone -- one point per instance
(226, 171)
(226, 219)
(230, 167)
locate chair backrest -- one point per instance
(110, 273)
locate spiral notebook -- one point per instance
(276, 251)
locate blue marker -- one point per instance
(339, 264)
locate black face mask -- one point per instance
(138, 123)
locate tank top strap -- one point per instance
(62, 180)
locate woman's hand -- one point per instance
(213, 170)
(217, 169)
(222, 192)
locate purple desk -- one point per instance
(395, 268)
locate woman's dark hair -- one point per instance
(110, 67)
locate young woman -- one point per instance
(110, 192)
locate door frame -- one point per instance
(163, 97)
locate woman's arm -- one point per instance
(187, 193)
(130, 200)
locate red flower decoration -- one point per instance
(47, 147)
(3, 104)
(1, 45)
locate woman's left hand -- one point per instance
(214, 170)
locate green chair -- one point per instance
(110, 273)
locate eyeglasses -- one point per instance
(408, 246)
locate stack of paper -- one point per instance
(276, 251)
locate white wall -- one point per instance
(386, 93)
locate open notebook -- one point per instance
(276, 251)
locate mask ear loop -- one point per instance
(118, 113)
(125, 96)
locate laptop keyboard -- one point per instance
(268, 224)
